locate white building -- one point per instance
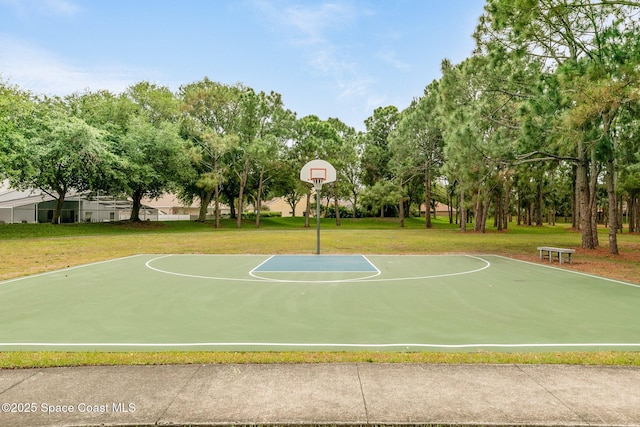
(35, 206)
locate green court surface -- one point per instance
(318, 302)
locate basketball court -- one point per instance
(318, 302)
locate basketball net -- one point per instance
(317, 183)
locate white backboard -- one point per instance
(320, 169)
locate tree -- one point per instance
(269, 155)
(382, 194)
(262, 120)
(16, 118)
(351, 173)
(155, 159)
(565, 34)
(61, 153)
(209, 113)
(342, 153)
(416, 144)
(312, 138)
(154, 156)
(376, 156)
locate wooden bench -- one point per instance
(547, 252)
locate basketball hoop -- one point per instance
(317, 183)
(317, 172)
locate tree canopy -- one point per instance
(541, 120)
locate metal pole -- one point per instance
(318, 221)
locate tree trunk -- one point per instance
(427, 198)
(518, 208)
(463, 211)
(401, 214)
(259, 198)
(216, 205)
(355, 204)
(306, 214)
(582, 188)
(613, 204)
(538, 209)
(232, 207)
(620, 210)
(205, 199)
(499, 206)
(478, 214)
(135, 208)
(243, 182)
(506, 211)
(57, 213)
(485, 212)
(631, 213)
(593, 201)
(240, 208)
(575, 202)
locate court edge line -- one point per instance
(570, 271)
(339, 345)
(75, 267)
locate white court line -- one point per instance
(356, 280)
(46, 273)
(260, 265)
(372, 265)
(364, 278)
(570, 271)
(338, 345)
(194, 276)
(435, 276)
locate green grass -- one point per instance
(44, 359)
(34, 248)
(24, 231)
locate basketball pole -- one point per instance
(318, 172)
(318, 222)
(318, 188)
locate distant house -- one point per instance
(441, 209)
(171, 209)
(279, 204)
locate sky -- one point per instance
(333, 58)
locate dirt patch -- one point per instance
(599, 262)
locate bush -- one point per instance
(330, 212)
(263, 214)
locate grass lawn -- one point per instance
(29, 249)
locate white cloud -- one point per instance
(62, 7)
(317, 30)
(389, 56)
(305, 24)
(40, 71)
(26, 8)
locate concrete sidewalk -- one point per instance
(321, 394)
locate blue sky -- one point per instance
(333, 58)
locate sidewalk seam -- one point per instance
(552, 394)
(12, 386)
(364, 399)
(186, 383)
